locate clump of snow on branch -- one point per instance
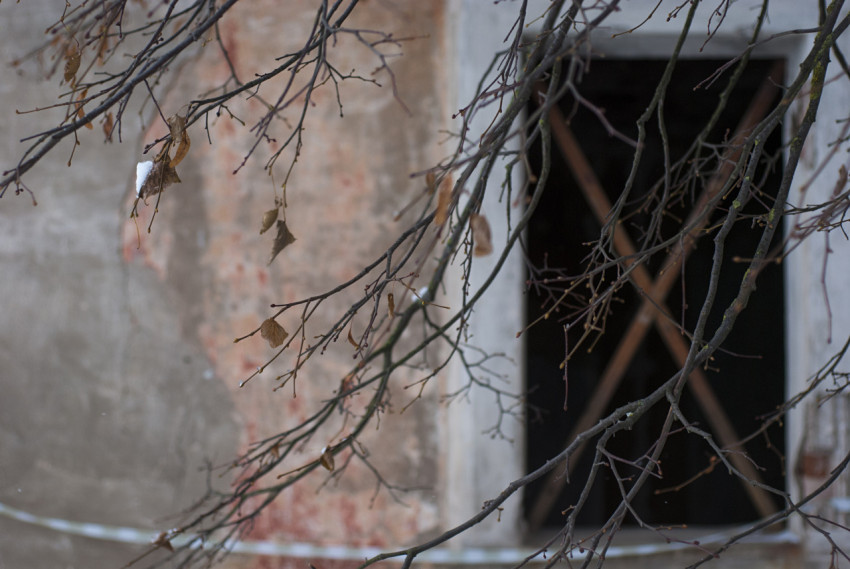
(142, 171)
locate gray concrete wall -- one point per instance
(118, 370)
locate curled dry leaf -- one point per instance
(391, 304)
(281, 240)
(444, 198)
(177, 126)
(480, 235)
(268, 220)
(80, 112)
(162, 540)
(273, 332)
(179, 136)
(160, 177)
(73, 56)
(182, 150)
(103, 44)
(108, 126)
(327, 459)
(431, 182)
(352, 341)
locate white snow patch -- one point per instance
(142, 171)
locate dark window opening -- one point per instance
(747, 387)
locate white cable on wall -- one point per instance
(465, 556)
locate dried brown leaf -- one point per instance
(80, 112)
(281, 240)
(273, 332)
(431, 182)
(268, 220)
(108, 126)
(444, 199)
(160, 177)
(480, 235)
(327, 459)
(352, 341)
(162, 541)
(102, 44)
(391, 304)
(73, 57)
(182, 150)
(177, 125)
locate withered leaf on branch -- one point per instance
(480, 235)
(275, 450)
(327, 459)
(108, 126)
(103, 44)
(444, 198)
(80, 112)
(281, 240)
(431, 183)
(160, 177)
(177, 126)
(162, 540)
(73, 56)
(351, 340)
(273, 332)
(179, 136)
(268, 220)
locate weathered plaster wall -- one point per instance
(118, 370)
(818, 312)
(810, 323)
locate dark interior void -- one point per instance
(749, 384)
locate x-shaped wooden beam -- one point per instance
(651, 310)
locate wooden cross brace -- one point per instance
(652, 310)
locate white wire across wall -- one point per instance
(441, 556)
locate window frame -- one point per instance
(476, 467)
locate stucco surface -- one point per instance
(118, 370)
